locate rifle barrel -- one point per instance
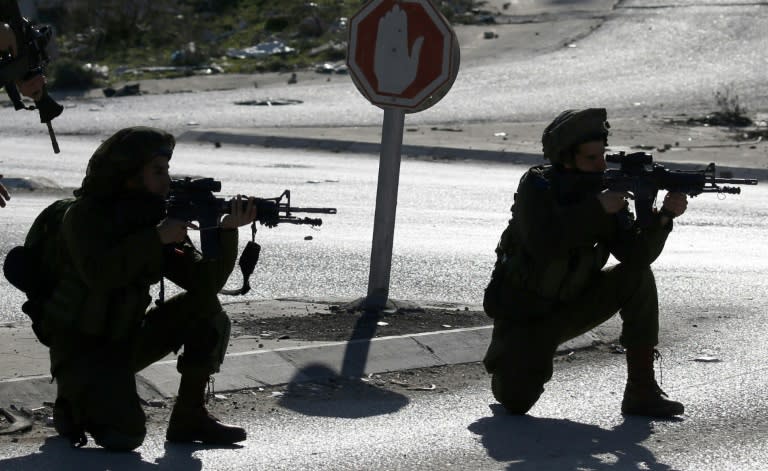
(312, 210)
(737, 181)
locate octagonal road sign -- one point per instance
(402, 53)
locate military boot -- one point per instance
(642, 395)
(191, 422)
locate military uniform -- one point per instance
(550, 283)
(97, 318)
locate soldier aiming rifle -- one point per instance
(550, 283)
(87, 266)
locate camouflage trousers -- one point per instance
(97, 379)
(521, 353)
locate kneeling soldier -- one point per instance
(115, 244)
(549, 284)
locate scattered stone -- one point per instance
(126, 90)
(269, 102)
(707, 359)
(431, 387)
(13, 422)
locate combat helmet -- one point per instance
(573, 127)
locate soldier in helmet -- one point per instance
(115, 243)
(550, 283)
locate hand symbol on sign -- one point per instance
(395, 69)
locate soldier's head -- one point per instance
(132, 159)
(576, 139)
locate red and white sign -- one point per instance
(402, 53)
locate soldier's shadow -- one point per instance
(529, 443)
(352, 399)
(57, 453)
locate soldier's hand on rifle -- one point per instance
(674, 205)
(4, 196)
(240, 214)
(33, 88)
(173, 231)
(613, 201)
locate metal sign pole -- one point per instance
(386, 208)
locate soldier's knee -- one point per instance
(634, 274)
(209, 303)
(516, 394)
(113, 439)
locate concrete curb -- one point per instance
(359, 147)
(276, 367)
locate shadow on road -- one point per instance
(57, 453)
(529, 443)
(352, 400)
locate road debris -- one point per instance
(126, 90)
(707, 359)
(15, 422)
(431, 387)
(264, 49)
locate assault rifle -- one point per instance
(194, 200)
(30, 60)
(640, 175)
